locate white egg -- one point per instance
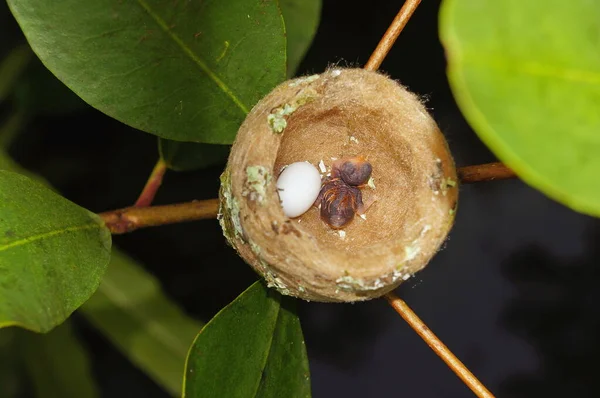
(298, 186)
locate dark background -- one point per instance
(513, 294)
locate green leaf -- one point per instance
(53, 254)
(11, 68)
(184, 156)
(301, 22)
(183, 70)
(526, 75)
(57, 364)
(130, 309)
(251, 348)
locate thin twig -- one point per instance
(437, 346)
(131, 218)
(154, 182)
(390, 36)
(484, 172)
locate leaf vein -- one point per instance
(220, 83)
(45, 235)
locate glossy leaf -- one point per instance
(252, 348)
(184, 70)
(131, 310)
(53, 254)
(184, 156)
(58, 365)
(301, 22)
(526, 75)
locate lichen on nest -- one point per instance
(257, 180)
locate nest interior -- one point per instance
(399, 141)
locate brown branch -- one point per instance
(437, 346)
(484, 172)
(131, 218)
(154, 182)
(392, 33)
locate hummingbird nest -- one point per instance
(412, 193)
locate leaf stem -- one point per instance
(392, 33)
(131, 218)
(154, 182)
(484, 172)
(437, 346)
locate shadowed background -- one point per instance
(513, 294)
